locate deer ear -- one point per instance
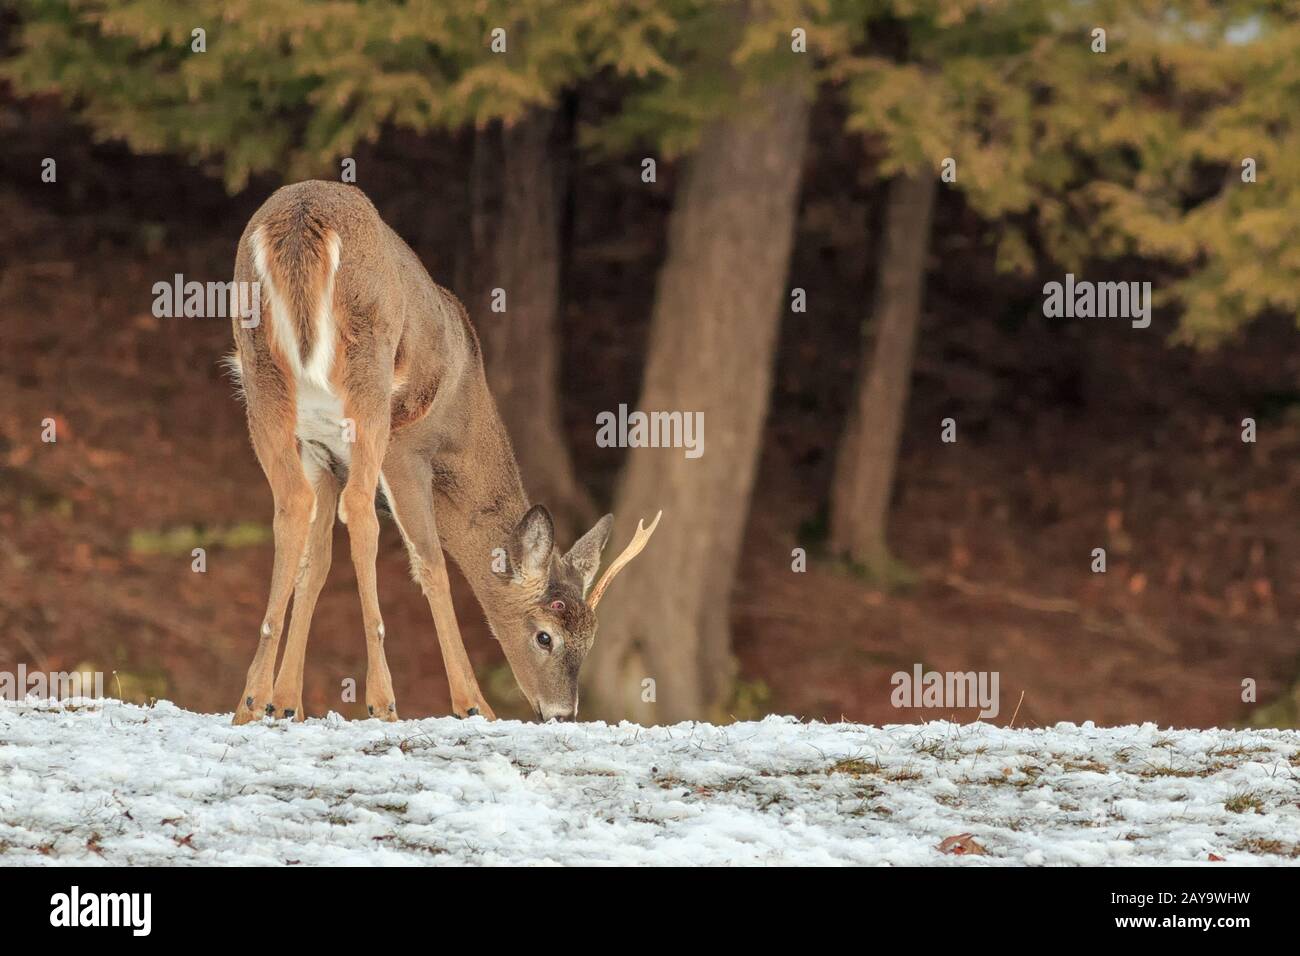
(532, 542)
(584, 556)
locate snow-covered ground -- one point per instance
(105, 782)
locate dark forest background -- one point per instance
(853, 211)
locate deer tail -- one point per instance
(296, 258)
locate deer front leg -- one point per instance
(276, 448)
(466, 698)
(408, 483)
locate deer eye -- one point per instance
(543, 640)
(557, 605)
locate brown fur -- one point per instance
(407, 369)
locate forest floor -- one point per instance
(100, 782)
(1069, 439)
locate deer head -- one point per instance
(545, 614)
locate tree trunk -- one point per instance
(516, 183)
(717, 309)
(868, 454)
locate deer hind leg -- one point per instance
(369, 414)
(287, 698)
(408, 485)
(272, 431)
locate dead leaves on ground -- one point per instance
(963, 844)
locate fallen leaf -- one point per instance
(961, 845)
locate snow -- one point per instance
(101, 782)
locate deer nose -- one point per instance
(564, 715)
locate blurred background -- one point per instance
(825, 224)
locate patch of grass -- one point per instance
(1090, 765)
(865, 793)
(1239, 751)
(1019, 778)
(854, 766)
(935, 748)
(1151, 772)
(377, 748)
(1029, 774)
(903, 776)
(185, 538)
(1261, 847)
(1242, 802)
(670, 782)
(404, 844)
(865, 808)
(774, 800)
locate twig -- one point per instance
(1017, 711)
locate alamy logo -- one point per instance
(1098, 300)
(59, 684)
(103, 909)
(951, 689)
(208, 300)
(651, 430)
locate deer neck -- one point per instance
(479, 499)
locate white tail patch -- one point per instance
(320, 364)
(320, 358)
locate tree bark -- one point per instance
(517, 180)
(717, 310)
(868, 454)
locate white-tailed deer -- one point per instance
(363, 375)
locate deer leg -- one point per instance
(409, 488)
(358, 513)
(277, 450)
(287, 698)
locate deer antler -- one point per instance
(631, 551)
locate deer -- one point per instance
(364, 388)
